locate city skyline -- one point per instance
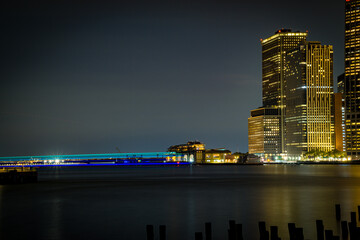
(169, 73)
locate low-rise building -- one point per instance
(194, 150)
(219, 155)
(264, 133)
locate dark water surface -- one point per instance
(118, 202)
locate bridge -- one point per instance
(146, 158)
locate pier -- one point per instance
(11, 175)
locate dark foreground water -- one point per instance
(118, 202)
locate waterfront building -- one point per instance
(264, 133)
(352, 78)
(274, 51)
(194, 150)
(309, 99)
(219, 155)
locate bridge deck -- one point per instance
(145, 158)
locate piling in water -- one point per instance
(291, 227)
(349, 230)
(344, 230)
(353, 217)
(231, 230)
(328, 234)
(238, 232)
(198, 236)
(274, 233)
(208, 235)
(299, 234)
(337, 212)
(149, 232)
(162, 232)
(319, 230)
(264, 235)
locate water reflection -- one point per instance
(54, 228)
(117, 203)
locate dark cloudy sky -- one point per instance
(90, 76)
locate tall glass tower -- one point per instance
(352, 78)
(274, 51)
(309, 96)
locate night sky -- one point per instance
(90, 76)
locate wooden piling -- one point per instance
(231, 231)
(291, 227)
(357, 233)
(344, 230)
(238, 232)
(328, 235)
(149, 232)
(262, 226)
(198, 236)
(274, 233)
(162, 232)
(264, 235)
(337, 212)
(299, 233)
(208, 232)
(353, 217)
(320, 229)
(352, 230)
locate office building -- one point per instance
(264, 133)
(274, 50)
(352, 78)
(309, 99)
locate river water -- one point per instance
(118, 202)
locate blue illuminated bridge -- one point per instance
(147, 158)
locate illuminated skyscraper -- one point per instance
(352, 78)
(309, 99)
(274, 50)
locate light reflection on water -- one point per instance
(117, 203)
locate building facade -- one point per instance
(194, 150)
(339, 122)
(352, 78)
(264, 133)
(219, 155)
(274, 51)
(309, 99)
(339, 108)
